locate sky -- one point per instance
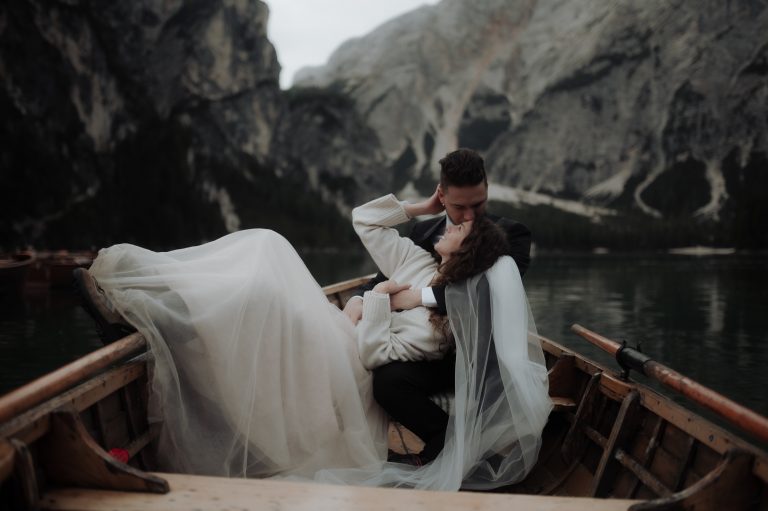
(306, 32)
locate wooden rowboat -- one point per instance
(53, 269)
(40, 270)
(611, 443)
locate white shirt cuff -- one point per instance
(428, 297)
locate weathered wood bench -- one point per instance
(219, 494)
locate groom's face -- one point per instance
(464, 203)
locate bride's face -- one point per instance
(452, 239)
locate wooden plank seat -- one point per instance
(217, 494)
(562, 404)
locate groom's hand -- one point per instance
(405, 300)
(390, 287)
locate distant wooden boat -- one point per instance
(701, 251)
(13, 271)
(53, 269)
(62, 263)
(611, 443)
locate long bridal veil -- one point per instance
(501, 401)
(255, 373)
(502, 393)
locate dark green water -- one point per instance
(706, 317)
(703, 316)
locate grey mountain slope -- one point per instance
(581, 99)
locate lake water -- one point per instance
(703, 316)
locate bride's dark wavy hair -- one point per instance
(484, 244)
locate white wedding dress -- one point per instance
(256, 374)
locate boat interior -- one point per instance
(79, 438)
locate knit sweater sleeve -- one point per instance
(373, 222)
(379, 341)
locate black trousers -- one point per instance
(403, 390)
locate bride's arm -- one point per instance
(373, 222)
(379, 343)
(387, 248)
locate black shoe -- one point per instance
(406, 459)
(110, 325)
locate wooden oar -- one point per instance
(347, 284)
(735, 413)
(50, 385)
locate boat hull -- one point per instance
(607, 438)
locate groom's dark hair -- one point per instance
(462, 167)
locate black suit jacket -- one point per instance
(424, 233)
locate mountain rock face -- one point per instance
(147, 121)
(626, 124)
(655, 109)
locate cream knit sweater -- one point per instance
(384, 336)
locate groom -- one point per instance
(403, 388)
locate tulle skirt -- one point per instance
(255, 372)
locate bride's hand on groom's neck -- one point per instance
(431, 206)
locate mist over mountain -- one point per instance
(625, 124)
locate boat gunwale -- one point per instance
(708, 433)
(30, 425)
(51, 384)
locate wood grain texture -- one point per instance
(217, 494)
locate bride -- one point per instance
(256, 374)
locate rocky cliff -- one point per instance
(626, 124)
(651, 111)
(152, 122)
